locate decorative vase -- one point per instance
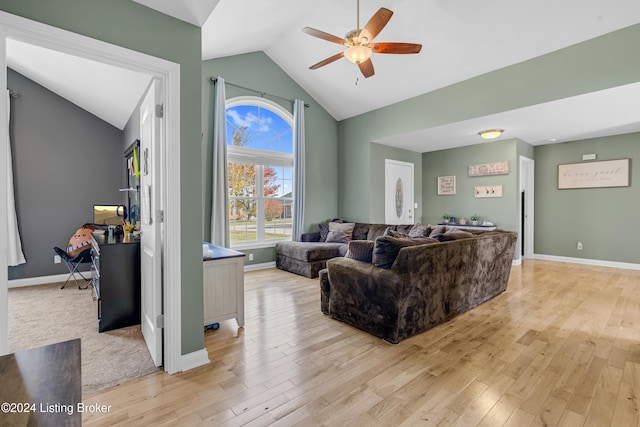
(474, 222)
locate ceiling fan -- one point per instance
(358, 42)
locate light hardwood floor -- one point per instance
(560, 347)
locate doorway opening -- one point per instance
(168, 74)
(526, 236)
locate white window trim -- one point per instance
(260, 158)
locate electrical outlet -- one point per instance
(579, 247)
(56, 259)
(250, 256)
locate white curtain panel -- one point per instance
(15, 255)
(298, 164)
(219, 199)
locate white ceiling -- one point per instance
(461, 39)
(108, 92)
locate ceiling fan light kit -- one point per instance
(357, 54)
(490, 133)
(358, 42)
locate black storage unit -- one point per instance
(116, 279)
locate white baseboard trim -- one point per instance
(194, 359)
(42, 280)
(516, 262)
(586, 261)
(262, 266)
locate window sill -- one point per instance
(257, 245)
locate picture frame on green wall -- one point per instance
(446, 185)
(601, 174)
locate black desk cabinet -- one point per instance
(116, 277)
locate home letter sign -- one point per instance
(485, 169)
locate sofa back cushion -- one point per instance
(377, 230)
(386, 249)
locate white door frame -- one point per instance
(527, 177)
(15, 27)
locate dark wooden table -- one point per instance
(42, 386)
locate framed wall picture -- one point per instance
(606, 173)
(446, 185)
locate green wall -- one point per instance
(502, 211)
(608, 61)
(131, 25)
(377, 155)
(321, 138)
(603, 219)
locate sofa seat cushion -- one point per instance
(311, 251)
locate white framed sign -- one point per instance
(446, 185)
(606, 173)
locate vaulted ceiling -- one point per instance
(461, 40)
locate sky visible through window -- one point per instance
(265, 129)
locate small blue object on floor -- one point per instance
(213, 326)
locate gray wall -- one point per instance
(603, 219)
(130, 133)
(321, 179)
(65, 160)
(134, 26)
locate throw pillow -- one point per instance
(361, 250)
(440, 229)
(420, 231)
(324, 229)
(456, 233)
(340, 232)
(393, 233)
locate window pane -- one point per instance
(278, 219)
(278, 181)
(242, 221)
(242, 180)
(256, 127)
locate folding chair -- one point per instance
(73, 264)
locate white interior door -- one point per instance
(151, 221)
(398, 195)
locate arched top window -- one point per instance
(260, 171)
(260, 124)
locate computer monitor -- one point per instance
(109, 214)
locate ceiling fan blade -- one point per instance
(322, 35)
(400, 48)
(327, 61)
(376, 24)
(366, 68)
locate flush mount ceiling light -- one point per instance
(490, 133)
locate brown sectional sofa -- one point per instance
(424, 283)
(309, 256)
